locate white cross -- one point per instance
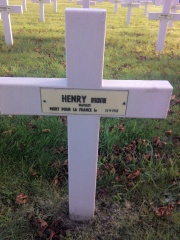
(24, 5)
(115, 2)
(174, 7)
(164, 17)
(84, 97)
(5, 10)
(146, 3)
(41, 8)
(129, 4)
(158, 2)
(86, 3)
(55, 5)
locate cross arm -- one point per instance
(12, 9)
(41, 1)
(158, 16)
(134, 5)
(146, 99)
(21, 96)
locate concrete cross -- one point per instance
(86, 3)
(164, 18)
(41, 8)
(5, 10)
(146, 3)
(55, 5)
(24, 5)
(115, 2)
(158, 2)
(174, 7)
(129, 4)
(84, 97)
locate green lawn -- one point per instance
(138, 178)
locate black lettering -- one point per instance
(79, 99)
(85, 109)
(98, 100)
(73, 98)
(63, 98)
(54, 108)
(84, 98)
(66, 109)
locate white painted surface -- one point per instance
(129, 4)
(174, 7)
(55, 5)
(41, 8)
(143, 95)
(85, 34)
(24, 5)
(146, 3)
(85, 40)
(115, 2)
(165, 17)
(7, 21)
(86, 3)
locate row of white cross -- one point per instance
(6, 9)
(84, 97)
(166, 18)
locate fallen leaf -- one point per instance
(21, 199)
(46, 130)
(146, 156)
(113, 171)
(134, 174)
(100, 172)
(164, 211)
(117, 178)
(121, 128)
(37, 49)
(65, 162)
(173, 97)
(56, 181)
(56, 164)
(7, 132)
(169, 132)
(40, 224)
(33, 172)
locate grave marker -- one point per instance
(86, 3)
(41, 8)
(164, 18)
(55, 5)
(5, 10)
(158, 2)
(173, 9)
(115, 2)
(129, 4)
(84, 97)
(146, 3)
(24, 5)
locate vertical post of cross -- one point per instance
(24, 5)
(5, 10)
(174, 7)
(129, 4)
(163, 25)
(164, 18)
(145, 3)
(55, 5)
(41, 8)
(83, 43)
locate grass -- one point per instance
(139, 160)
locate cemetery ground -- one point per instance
(138, 179)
